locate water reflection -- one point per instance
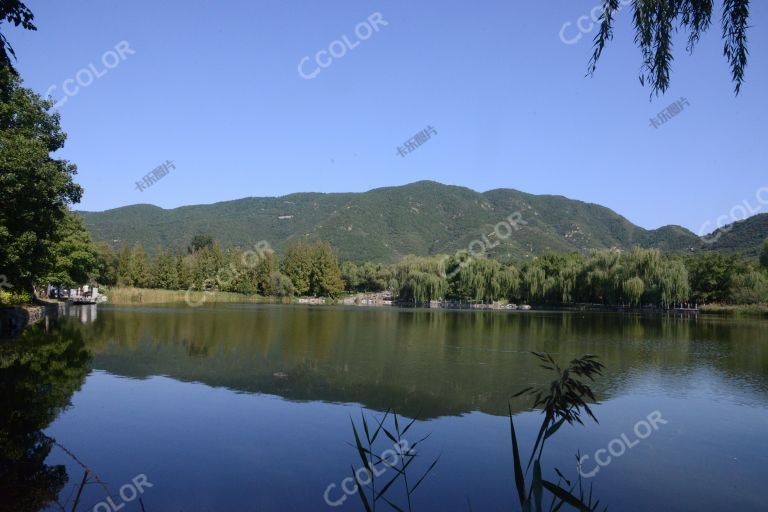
(39, 372)
(434, 362)
(207, 448)
(87, 314)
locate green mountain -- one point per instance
(385, 224)
(744, 237)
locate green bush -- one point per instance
(13, 298)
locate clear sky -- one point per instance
(215, 88)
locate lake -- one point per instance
(247, 407)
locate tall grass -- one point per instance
(135, 296)
(400, 466)
(564, 401)
(736, 309)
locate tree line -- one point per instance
(305, 269)
(610, 277)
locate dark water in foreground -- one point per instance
(247, 407)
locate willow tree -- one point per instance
(674, 285)
(483, 279)
(601, 276)
(643, 263)
(421, 287)
(421, 279)
(655, 22)
(633, 288)
(535, 283)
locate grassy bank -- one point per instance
(736, 310)
(136, 296)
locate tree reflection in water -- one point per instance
(39, 373)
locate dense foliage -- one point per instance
(639, 276)
(423, 218)
(36, 228)
(307, 269)
(610, 277)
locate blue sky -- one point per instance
(215, 88)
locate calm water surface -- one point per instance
(247, 407)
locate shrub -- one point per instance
(12, 298)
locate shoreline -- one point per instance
(130, 296)
(14, 319)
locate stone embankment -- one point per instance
(13, 320)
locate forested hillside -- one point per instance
(423, 218)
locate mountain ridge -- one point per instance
(422, 218)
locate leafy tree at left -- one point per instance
(36, 189)
(76, 259)
(13, 11)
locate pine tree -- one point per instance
(297, 265)
(139, 271)
(125, 267)
(264, 269)
(325, 279)
(164, 271)
(183, 272)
